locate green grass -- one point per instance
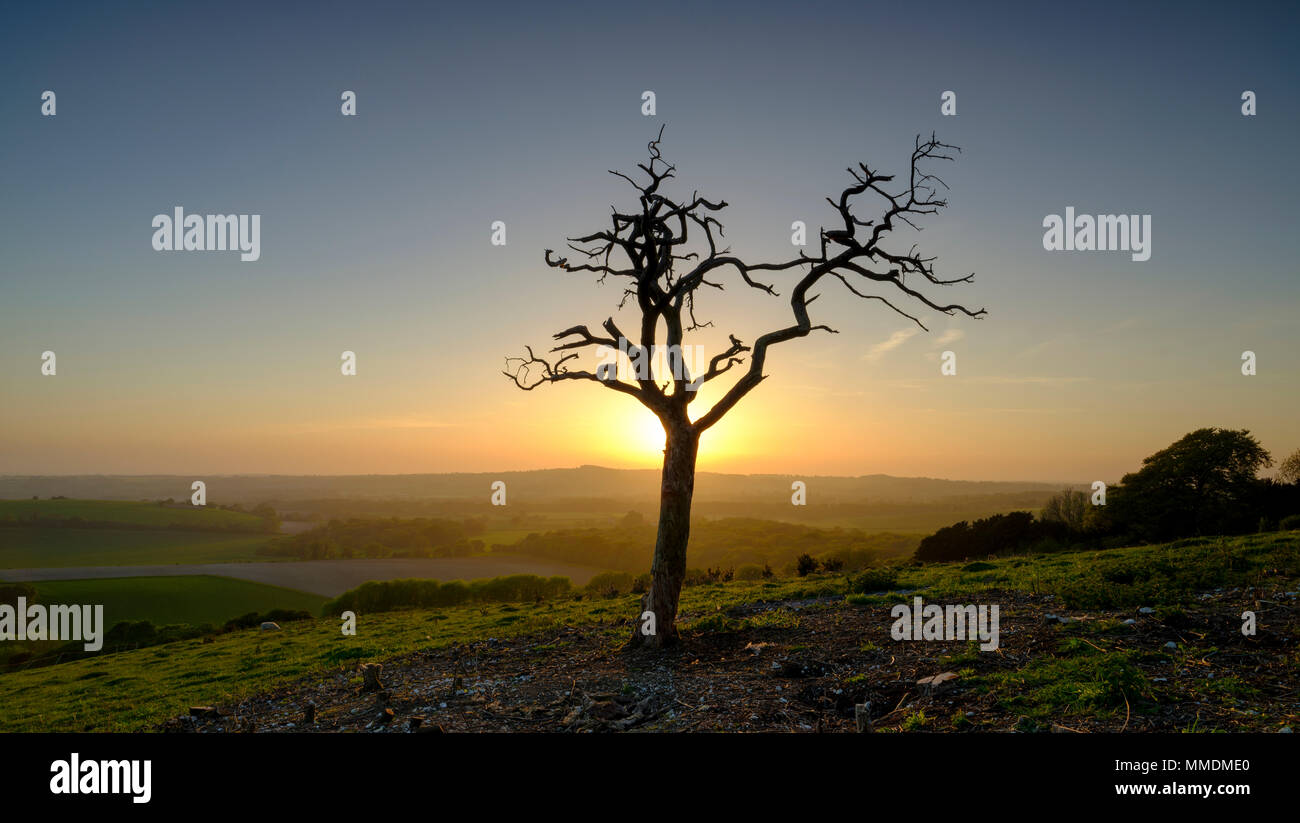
(169, 600)
(1165, 575)
(23, 547)
(145, 515)
(1082, 682)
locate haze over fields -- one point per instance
(584, 482)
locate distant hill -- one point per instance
(584, 482)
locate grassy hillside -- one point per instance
(1093, 670)
(33, 548)
(129, 513)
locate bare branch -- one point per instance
(668, 250)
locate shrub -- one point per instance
(1289, 523)
(716, 575)
(253, 619)
(611, 584)
(376, 596)
(874, 580)
(10, 592)
(805, 565)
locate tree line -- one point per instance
(357, 537)
(1205, 483)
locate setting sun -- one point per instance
(647, 438)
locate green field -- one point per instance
(168, 600)
(137, 689)
(143, 514)
(38, 548)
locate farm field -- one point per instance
(325, 577)
(59, 547)
(144, 514)
(170, 600)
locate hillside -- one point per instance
(788, 654)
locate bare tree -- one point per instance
(666, 250)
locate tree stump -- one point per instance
(370, 677)
(862, 717)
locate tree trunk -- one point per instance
(669, 567)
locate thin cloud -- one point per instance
(884, 347)
(950, 336)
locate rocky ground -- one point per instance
(825, 666)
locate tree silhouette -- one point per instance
(662, 253)
(1201, 484)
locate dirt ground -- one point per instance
(808, 671)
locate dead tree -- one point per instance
(662, 253)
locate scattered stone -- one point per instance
(1146, 610)
(1130, 622)
(797, 668)
(1285, 730)
(268, 626)
(1171, 645)
(182, 723)
(206, 712)
(937, 683)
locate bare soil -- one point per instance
(808, 672)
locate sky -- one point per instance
(376, 229)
